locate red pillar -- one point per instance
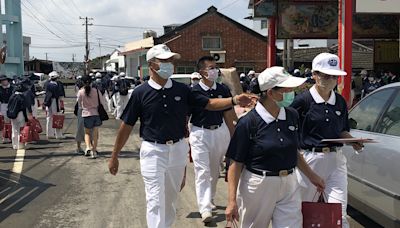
(271, 50)
(345, 45)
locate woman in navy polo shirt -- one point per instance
(264, 154)
(323, 115)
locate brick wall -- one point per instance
(242, 48)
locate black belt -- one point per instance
(281, 173)
(324, 149)
(210, 127)
(167, 142)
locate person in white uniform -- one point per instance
(18, 113)
(262, 187)
(162, 106)
(6, 90)
(54, 95)
(209, 136)
(323, 115)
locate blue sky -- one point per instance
(55, 23)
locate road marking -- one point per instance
(18, 163)
(21, 198)
(11, 194)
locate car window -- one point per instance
(390, 123)
(364, 115)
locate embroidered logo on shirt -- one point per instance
(338, 113)
(178, 98)
(292, 128)
(219, 96)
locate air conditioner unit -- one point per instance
(219, 56)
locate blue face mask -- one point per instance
(287, 100)
(166, 70)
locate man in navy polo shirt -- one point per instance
(209, 136)
(162, 106)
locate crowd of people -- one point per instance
(275, 155)
(268, 175)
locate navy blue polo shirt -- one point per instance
(319, 119)
(275, 145)
(202, 117)
(162, 110)
(5, 93)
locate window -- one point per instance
(264, 24)
(185, 69)
(212, 43)
(390, 123)
(366, 113)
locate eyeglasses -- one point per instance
(327, 76)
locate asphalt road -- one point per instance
(58, 188)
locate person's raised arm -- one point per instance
(218, 104)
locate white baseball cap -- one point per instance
(91, 74)
(195, 75)
(122, 74)
(114, 78)
(328, 64)
(98, 75)
(277, 76)
(54, 74)
(242, 75)
(161, 51)
(251, 72)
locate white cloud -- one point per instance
(64, 15)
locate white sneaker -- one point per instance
(93, 154)
(206, 217)
(87, 151)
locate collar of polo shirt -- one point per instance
(318, 99)
(205, 87)
(266, 116)
(156, 86)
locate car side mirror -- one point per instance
(353, 123)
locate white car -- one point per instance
(184, 78)
(374, 174)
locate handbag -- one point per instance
(322, 214)
(102, 112)
(25, 135)
(76, 109)
(58, 121)
(35, 136)
(7, 131)
(36, 127)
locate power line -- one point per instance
(126, 26)
(229, 5)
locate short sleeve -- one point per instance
(132, 110)
(240, 143)
(197, 99)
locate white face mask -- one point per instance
(212, 74)
(166, 70)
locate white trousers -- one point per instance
(50, 131)
(3, 112)
(35, 108)
(162, 168)
(208, 150)
(109, 101)
(332, 168)
(121, 102)
(16, 124)
(262, 199)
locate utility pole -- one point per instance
(73, 58)
(101, 59)
(46, 56)
(86, 24)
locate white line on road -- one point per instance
(18, 163)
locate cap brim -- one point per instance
(334, 72)
(292, 82)
(168, 55)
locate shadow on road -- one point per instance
(14, 195)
